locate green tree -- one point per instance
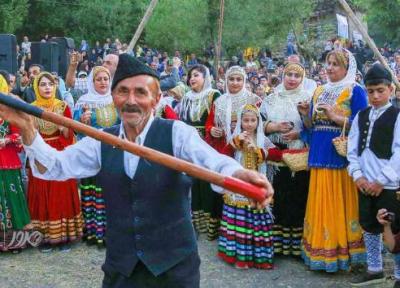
(193, 24)
(12, 14)
(90, 20)
(383, 19)
(262, 23)
(99, 19)
(179, 23)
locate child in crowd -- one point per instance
(246, 231)
(374, 156)
(392, 241)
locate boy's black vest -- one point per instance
(382, 132)
(148, 217)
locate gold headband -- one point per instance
(294, 67)
(250, 108)
(98, 69)
(236, 70)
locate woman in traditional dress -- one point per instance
(283, 125)
(222, 119)
(54, 205)
(194, 110)
(332, 238)
(168, 107)
(14, 214)
(246, 238)
(96, 108)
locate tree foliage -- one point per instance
(193, 23)
(90, 20)
(383, 19)
(172, 28)
(189, 25)
(12, 14)
(108, 19)
(263, 23)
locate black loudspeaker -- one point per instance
(8, 53)
(45, 54)
(66, 46)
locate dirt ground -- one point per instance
(81, 267)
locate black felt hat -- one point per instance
(129, 66)
(377, 74)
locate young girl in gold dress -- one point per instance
(246, 231)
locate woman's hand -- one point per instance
(216, 132)
(86, 117)
(243, 136)
(303, 108)
(281, 127)
(291, 135)
(328, 110)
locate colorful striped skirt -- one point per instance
(206, 209)
(246, 238)
(94, 212)
(14, 213)
(332, 238)
(55, 210)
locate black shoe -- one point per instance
(396, 284)
(16, 251)
(91, 241)
(65, 247)
(100, 244)
(367, 279)
(45, 248)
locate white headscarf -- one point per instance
(194, 103)
(93, 99)
(350, 77)
(261, 141)
(332, 90)
(282, 106)
(229, 104)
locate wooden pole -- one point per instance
(142, 24)
(368, 39)
(229, 183)
(219, 43)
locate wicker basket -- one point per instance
(296, 159)
(340, 142)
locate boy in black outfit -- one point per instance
(374, 156)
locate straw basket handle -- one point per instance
(343, 134)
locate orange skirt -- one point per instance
(332, 238)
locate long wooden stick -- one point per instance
(368, 39)
(142, 24)
(229, 183)
(220, 28)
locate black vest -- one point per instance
(382, 132)
(148, 217)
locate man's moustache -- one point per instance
(131, 109)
